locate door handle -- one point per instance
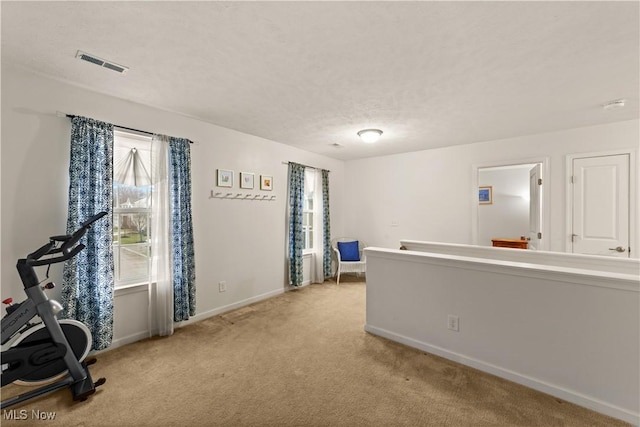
(618, 249)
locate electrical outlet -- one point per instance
(453, 323)
(222, 286)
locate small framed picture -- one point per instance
(246, 180)
(266, 182)
(225, 178)
(485, 195)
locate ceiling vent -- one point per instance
(101, 62)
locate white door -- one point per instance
(535, 202)
(601, 205)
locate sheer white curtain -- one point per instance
(318, 236)
(161, 250)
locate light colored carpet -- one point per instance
(299, 359)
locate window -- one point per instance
(131, 207)
(308, 209)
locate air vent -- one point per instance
(101, 62)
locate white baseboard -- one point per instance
(138, 336)
(229, 307)
(551, 389)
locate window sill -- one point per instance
(131, 288)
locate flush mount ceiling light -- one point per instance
(370, 135)
(612, 105)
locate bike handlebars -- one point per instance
(42, 251)
(69, 249)
(91, 220)
(77, 235)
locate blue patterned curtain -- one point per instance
(326, 226)
(87, 290)
(184, 272)
(296, 202)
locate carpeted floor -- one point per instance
(299, 359)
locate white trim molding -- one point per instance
(229, 307)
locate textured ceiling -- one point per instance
(311, 74)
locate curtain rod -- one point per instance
(306, 166)
(71, 116)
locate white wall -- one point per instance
(427, 195)
(569, 332)
(239, 241)
(508, 215)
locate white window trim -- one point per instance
(138, 282)
(314, 212)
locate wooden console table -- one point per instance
(510, 243)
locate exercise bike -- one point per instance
(50, 353)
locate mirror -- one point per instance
(503, 212)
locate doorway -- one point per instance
(518, 207)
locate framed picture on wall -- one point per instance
(246, 180)
(225, 178)
(485, 195)
(266, 182)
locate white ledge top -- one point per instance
(560, 259)
(591, 277)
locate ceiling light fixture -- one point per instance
(611, 105)
(370, 135)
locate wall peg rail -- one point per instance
(241, 196)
